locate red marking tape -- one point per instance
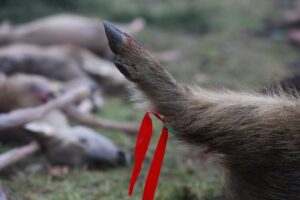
(141, 147)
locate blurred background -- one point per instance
(230, 43)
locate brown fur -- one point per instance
(257, 135)
(62, 144)
(64, 29)
(59, 63)
(21, 91)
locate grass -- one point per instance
(180, 176)
(225, 53)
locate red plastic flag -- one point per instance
(141, 147)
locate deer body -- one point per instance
(257, 135)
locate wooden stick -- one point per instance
(92, 121)
(17, 154)
(22, 116)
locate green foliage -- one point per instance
(194, 16)
(20, 11)
(189, 17)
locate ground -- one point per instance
(229, 51)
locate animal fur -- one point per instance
(22, 91)
(256, 134)
(59, 63)
(67, 29)
(61, 143)
(74, 146)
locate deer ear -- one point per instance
(41, 128)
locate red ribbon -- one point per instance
(141, 147)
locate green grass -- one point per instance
(226, 54)
(232, 59)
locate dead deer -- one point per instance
(63, 144)
(65, 29)
(59, 63)
(256, 136)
